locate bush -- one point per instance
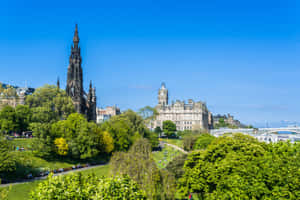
(77, 186)
(241, 167)
(203, 141)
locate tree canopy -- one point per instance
(139, 165)
(169, 128)
(49, 104)
(241, 167)
(127, 128)
(77, 186)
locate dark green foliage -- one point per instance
(15, 120)
(189, 141)
(140, 166)
(24, 117)
(240, 167)
(88, 187)
(158, 130)
(169, 128)
(176, 166)
(8, 120)
(7, 162)
(203, 141)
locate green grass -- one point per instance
(22, 191)
(177, 142)
(162, 158)
(25, 143)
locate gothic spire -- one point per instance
(76, 37)
(58, 83)
(91, 86)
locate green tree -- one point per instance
(158, 130)
(23, 115)
(7, 161)
(49, 104)
(8, 119)
(76, 186)
(62, 146)
(169, 128)
(203, 141)
(126, 128)
(84, 139)
(240, 167)
(140, 166)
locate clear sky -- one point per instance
(241, 57)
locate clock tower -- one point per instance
(163, 96)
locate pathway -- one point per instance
(175, 147)
(44, 177)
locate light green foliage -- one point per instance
(240, 167)
(169, 128)
(140, 166)
(4, 192)
(22, 191)
(9, 91)
(126, 128)
(203, 141)
(84, 139)
(87, 187)
(62, 146)
(7, 161)
(49, 104)
(174, 141)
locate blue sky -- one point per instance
(241, 57)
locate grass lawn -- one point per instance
(177, 142)
(22, 191)
(21, 142)
(162, 158)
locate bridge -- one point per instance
(264, 134)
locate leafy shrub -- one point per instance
(203, 141)
(87, 187)
(240, 167)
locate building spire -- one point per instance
(58, 83)
(76, 37)
(91, 86)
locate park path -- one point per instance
(57, 174)
(175, 147)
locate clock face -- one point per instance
(161, 93)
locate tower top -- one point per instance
(163, 85)
(58, 83)
(76, 37)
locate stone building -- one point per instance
(84, 103)
(187, 116)
(18, 97)
(107, 113)
(229, 119)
